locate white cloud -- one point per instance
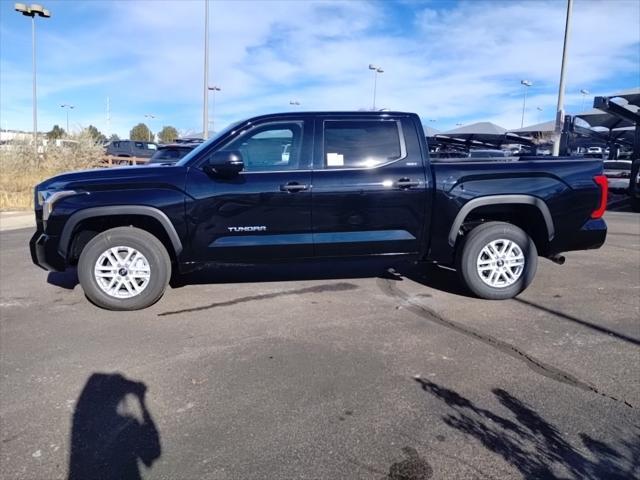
(449, 62)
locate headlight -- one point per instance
(48, 198)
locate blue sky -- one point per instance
(449, 61)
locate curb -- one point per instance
(16, 220)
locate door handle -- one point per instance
(405, 183)
(293, 187)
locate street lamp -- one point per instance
(526, 84)
(584, 93)
(149, 116)
(205, 109)
(214, 89)
(560, 106)
(33, 11)
(539, 109)
(67, 107)
(376, 71)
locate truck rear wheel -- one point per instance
(498, 261)
(124, 268)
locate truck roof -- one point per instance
(342, 113)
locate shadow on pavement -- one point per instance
(426, 275)
(437, 278)
(107, 437)
(534, 446)
(332, 287)
(584, 323)
(334, 269)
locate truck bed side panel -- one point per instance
(566, 187)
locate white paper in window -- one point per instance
(335, 160)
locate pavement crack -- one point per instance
(389, 287)
(328, 287)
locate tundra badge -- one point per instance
(257, 228)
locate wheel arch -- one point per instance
(154, 219)
(476, 205)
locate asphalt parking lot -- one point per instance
(323, 371)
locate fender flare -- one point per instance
(142, 210)
(497, 200)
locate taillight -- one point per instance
(602, 182)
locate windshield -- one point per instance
(169, 154)
(204, 145)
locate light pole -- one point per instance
(214, 89)
(584, 93)
(150, 117)
(560, 106)
(205, 109)
(526, 84)
(539, 109)
(67, 107)
(33, 11)
(376, 71)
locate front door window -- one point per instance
(272, 147)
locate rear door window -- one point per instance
(362, 143)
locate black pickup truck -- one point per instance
(296, 186)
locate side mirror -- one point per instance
(225, 163)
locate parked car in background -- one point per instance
(594, 150)
(131, 148)
(618, 173)
(171, 153)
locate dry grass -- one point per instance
(20, 171)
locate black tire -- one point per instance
(148, 245)
(472, 246)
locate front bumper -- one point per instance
(44, 252)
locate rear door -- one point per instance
(369, 186)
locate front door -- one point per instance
(264, 212)
(369, 187)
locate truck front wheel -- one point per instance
(124, 268)
(498, 261)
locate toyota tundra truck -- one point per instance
(316, 185)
